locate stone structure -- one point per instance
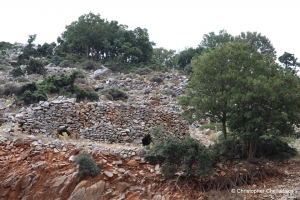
(101, 121)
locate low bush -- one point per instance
(29, 98)
(227, 149)
(90, 65)
(65, 64)
(143, 71)
(169, 92)
(56, 60)
(35, 67)
(17, 72)
(156, 79)
(21, 79)
(87, 166)
(82, 94)
(275, 149)
(175, 155)
(11, 88)
(115, 93)
(272, 148)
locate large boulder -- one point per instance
(98, 74)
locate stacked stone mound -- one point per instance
(99, 121)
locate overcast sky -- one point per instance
(172, 24)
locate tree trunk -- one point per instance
(252, 149)
(87, 52)
(224, 126)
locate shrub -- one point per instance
(29, 98)
(175, 155)
(115, 93)
(5, 66)
(90, 65)
(272, 148)
(11, 88)
(81, 80)
(56, 60)
(143, 71)
(82, 94)
(21, 79)
(86, 166)
(35, 67)
(228, 149)
(65, 64)
(169, 92)
(16, 72)
(156, 79)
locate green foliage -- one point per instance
(188, 155)
(95, 38)
(28, 51)
(63, 85)
(87, 166)
(275, 149)
(6, 46)
(295, 135)
(82, 94)
(228, 149)
(46, 49)
(29, 98)
(244, 89)
(289, 62)
(115, 93)
(272, 148)
(17, 72)
(184, 58)
(35, 67)
(257, 42)
(56, 60)
(164, 58)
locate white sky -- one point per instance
(172, 24)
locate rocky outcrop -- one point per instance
(35, 169)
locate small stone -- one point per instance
(132, 163)
(55, 150)
(156, 167)
(108, 174)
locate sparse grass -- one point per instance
(175, 81)
(213, 137)
(16, 127)
(165, 102)
(64, 136)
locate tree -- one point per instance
(257, 41)
(211, 40)
(164, 57)
(28, 51)
(245, 90)
(98, 39)
(184, 57)
(289, 62)
(212, 80)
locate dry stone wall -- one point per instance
(99, 121)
